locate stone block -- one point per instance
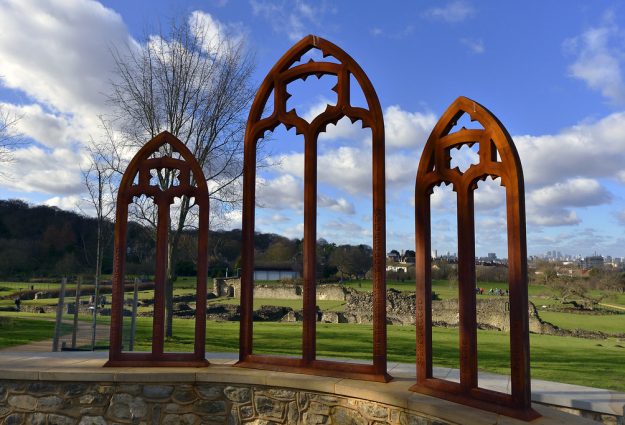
(316, 419)
(268, 408)
(49, 403)
(281, 394)
(373, 410)
(246, 412)
(14, 419)
(238, 394)
(210, 392)
(75, 389)
(86, 399)
(186, 419)
(23, 402)
(54, 419)
(36, 419)
(132, 389)
(292, 413)
(92, 411)
(92, 420)
(126, 407)
(346, 416)
(210, 407)
(409, 419)
(41, 388)
(316, 407)
(184, 395)
(157, 392)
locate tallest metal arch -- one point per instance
(285, 71)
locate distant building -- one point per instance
(269, 273)
(593, 262)
(492, 256)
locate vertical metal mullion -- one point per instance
(466, 287)
(310, 248)
(160, 275)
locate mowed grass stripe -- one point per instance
(594, 363)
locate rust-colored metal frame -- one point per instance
(189, 169)
(276, 81)
(434, 169)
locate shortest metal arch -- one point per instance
(498, 158)
(139, 168)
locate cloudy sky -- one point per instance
(553, 72)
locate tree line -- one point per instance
(43, 241)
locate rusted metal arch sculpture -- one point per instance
(192, 183)
(434, 169)
(276, 81)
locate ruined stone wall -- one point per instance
(492, 313)
(231, 287)
(67, 403)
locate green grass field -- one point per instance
(598, 363)
(608, 323)
(17, 331)
(595, 363)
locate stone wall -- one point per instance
(66, 403)
(231, 287)
(492, 313)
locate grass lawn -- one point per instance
(17, 331)
(564, 359)
(608, 323)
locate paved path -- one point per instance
(613, 306)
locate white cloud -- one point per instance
(294, 18)
(286, 192)
(455, 11)
(407, 129)
(58, 52)
(578, 192)
(551, 205)
(341, 205)
(283, 192)
(72, 202)
(53, 131)
(490, 195)
(218, 37)
(443, 199)
(58, 56)
(476, 46)
(37, 170)
(342, 231)
(599, 58)
(403, 129)
(578, 150)
(559, 217)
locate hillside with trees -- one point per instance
(43, 241)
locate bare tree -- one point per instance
(101, 181)
(196, 85)
(9, 139)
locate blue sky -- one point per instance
(552, 72)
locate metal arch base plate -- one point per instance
(345, 370)
(475, 400)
